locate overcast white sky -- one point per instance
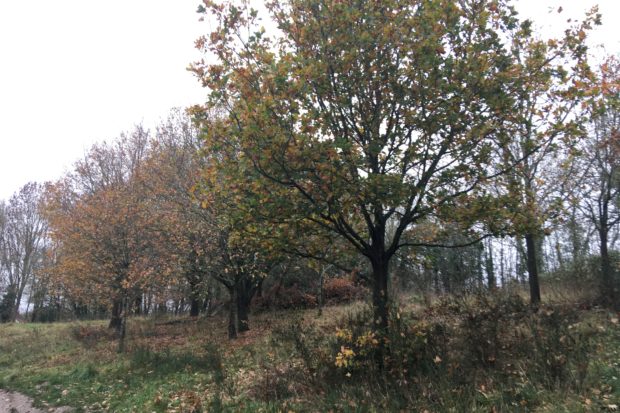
(73, 72)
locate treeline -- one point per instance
(392, 153)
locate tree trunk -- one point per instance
(196, 291)
(558, 252)
(243, 310)
(246, 288)
(532, 269)
(607, 280)
(320, 292)
(137, 305)
(521, 258)
(380, 293)
(233, 319)
(194, 309)
(502, 272)
(122, 330)
(116, 319)
(490, 268)
(16, 304)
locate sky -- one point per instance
(76, 72)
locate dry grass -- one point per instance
(180, 364)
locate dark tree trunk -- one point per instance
(532, 269)
(116, 319)
(320, 295)
(13, 306)
(137, 305)
(490, 268)
(246, 288)
(233, 319)
(243, 310)
(608, 292)
(195, 294)
(380, 293)
(194, 309)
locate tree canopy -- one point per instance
(364, 119)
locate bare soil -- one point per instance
(11, 402)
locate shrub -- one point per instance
(486, 322)
(561, 347)
(484, 350)
(342, 290)
(7, 304)
(283, 298)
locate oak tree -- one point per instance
(359, 118)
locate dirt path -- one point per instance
(11, 402)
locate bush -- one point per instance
(485, 324)
(284, 298)
(6, 305)
(561, 347)
(342, 290)
(442, 357)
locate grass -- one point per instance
(286, 363)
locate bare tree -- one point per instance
(21, 245)
(602, 186)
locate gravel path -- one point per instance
(11, 402)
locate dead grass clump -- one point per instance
(280, 382)
(92, 335)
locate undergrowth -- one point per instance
(464, 354)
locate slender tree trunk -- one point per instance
(195, 285)
(137, 305)
(30, 298)
(25, 275)
(608, 292)
(320, 292)
(532, 269)
(122, 331)
(194, 296)
(521, 260)
(490, 268)
(502, 261)
(17, 303)
(147, 303)
(233, 319)
(558, 251)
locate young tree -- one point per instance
(169, 175)
(237, 259)
(22, 238)
(359, 117)
(601, 194)
(99, 219)
(546, 126)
